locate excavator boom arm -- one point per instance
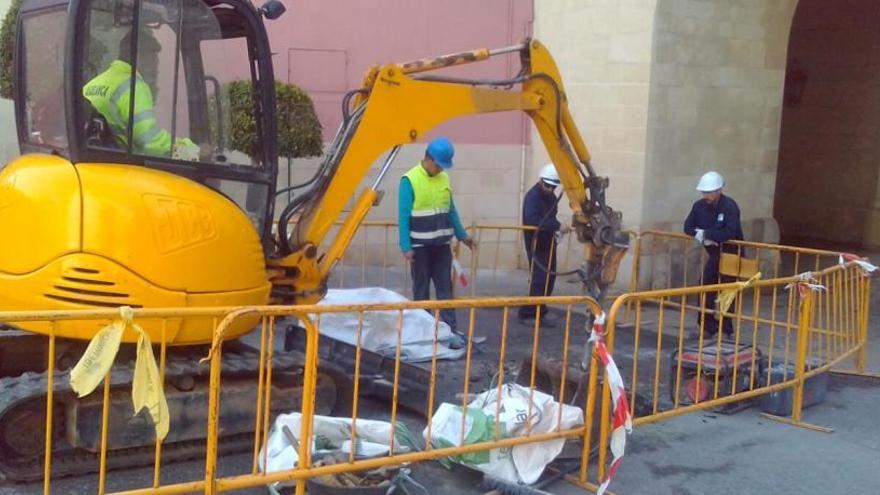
(397, 107)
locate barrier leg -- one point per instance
(862, 356)
(213, 421)
(308, 402)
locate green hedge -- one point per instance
(7, 47)
(299, 131)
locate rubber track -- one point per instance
(33, 385)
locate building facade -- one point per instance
(780, 96)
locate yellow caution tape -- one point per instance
(726, 297)
(146, 389)
(99, 356)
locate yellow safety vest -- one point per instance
(430, 223)
(110, 94)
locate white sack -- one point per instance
(329, 434)
(379, 332)
(522, 463)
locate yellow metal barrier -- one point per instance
(374, 259)
(805, 325)
(659, 260)
(511, 343)
(665, 260)
(492, 369)
(57, 391)
(777, 322)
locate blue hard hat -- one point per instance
(441, 151)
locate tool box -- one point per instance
(779, 402)
(737, 368)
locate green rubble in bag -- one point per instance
(482, 430)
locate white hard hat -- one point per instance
(549, 174)
(710, 181)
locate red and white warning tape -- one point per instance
(806, 282)
(868, 269)
(622, 420)
(460, 273)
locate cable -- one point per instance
(346, 102)
(321, 178)
(531, 249)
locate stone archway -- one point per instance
(829, 151)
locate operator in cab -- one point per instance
(110, 94)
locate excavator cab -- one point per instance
(142, 82)
(136, 188)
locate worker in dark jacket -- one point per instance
(539, 210)
(712, 222)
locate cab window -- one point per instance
(157, 85)
(42, 79)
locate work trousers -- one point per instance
(712, 275)
(540, 247)
(434, 263)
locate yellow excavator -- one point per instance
(127, 194)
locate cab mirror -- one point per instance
(273, 9)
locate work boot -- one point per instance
(456, 340)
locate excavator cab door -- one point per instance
(183, 86)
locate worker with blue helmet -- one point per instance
(427, 221)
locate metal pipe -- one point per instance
(460, 58)
(357, 383)
(261, 377)
(501, 355)
(105, 432)
(50, 389)
(508, 49)
(396, 386)
(385, 167)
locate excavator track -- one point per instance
(23, 418)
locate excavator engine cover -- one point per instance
(100, 235)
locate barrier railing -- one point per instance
(675, 260)
(453, 382)
(805, 325)
(785, 331)
(256, 396)
(82, 449)
(659, 260)
(374, 259)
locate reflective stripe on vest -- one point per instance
(109, 94)
(430, 224)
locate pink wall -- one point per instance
(325, 46)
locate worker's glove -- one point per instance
(184, 150)
(709, 242)
(700, 236)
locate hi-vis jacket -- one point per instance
(427, 215)
(110, 94)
